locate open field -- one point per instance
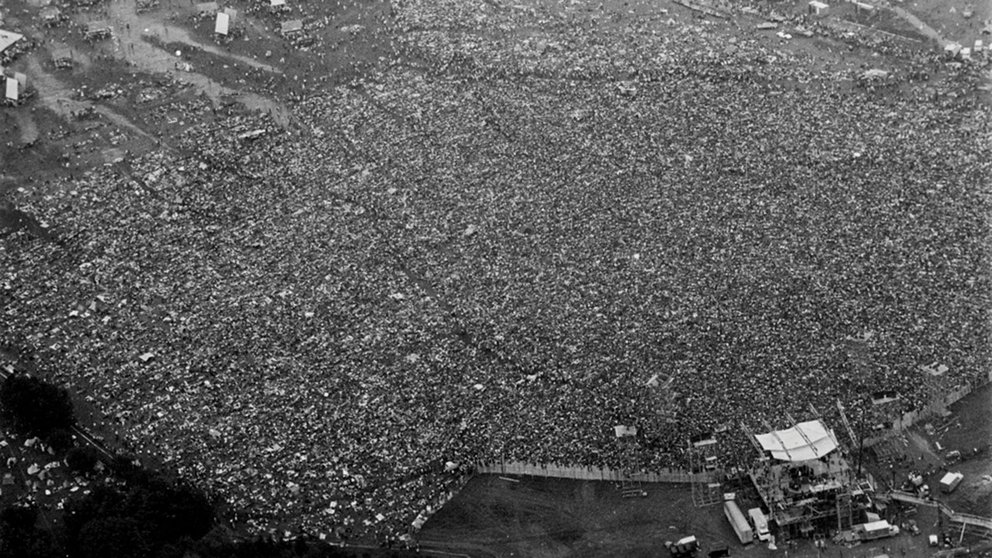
(309, 272)
(546, 518)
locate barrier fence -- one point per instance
(667, 475)
(941, 404)
(673, 475)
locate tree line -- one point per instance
(131, 512)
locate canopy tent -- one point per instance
(803, 442)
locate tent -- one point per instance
(8, 38)
(817, 8)
(207, 8)
(803, 442)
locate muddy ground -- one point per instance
(127, 94)
(555, 518)
(527, 516)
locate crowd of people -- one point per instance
(505, 257)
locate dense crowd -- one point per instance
(493, 260)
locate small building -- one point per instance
(278, 6)
(817, 8)
(12, 91)
(862, 7)
(223, 23)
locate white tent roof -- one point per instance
(803, 442)
(8, 38)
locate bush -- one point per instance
(34, 406)
(19, 535)
(112, 536)
(81, 460)
(60, 439)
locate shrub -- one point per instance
(34, 406)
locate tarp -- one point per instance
(622, 431)
(803, 442)
(8, 38)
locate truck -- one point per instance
(760, 523)
(875, 530)
(949, 483)
(685, 547)
(738, 522)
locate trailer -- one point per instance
(949, 483)
(738, 522)
(875, 530)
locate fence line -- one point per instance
(673, 475)
(666, 475)
(936, 407)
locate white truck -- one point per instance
(760, 523)
(875, 530)
(737, 521)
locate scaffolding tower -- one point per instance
(630, 485)
(705, 468)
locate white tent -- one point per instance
(803, 442)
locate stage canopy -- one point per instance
(803, 442)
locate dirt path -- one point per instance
(136, 37)
(58, 98)
(130, 26)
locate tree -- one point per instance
(81, 460)
(34, 406)
(104, 501)
(171, 511)
(60, 439)
(19, 535)
(112, 536)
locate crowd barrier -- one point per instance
(666, 475)
(940, 405)
(952, 516)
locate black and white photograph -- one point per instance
(495, 278)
